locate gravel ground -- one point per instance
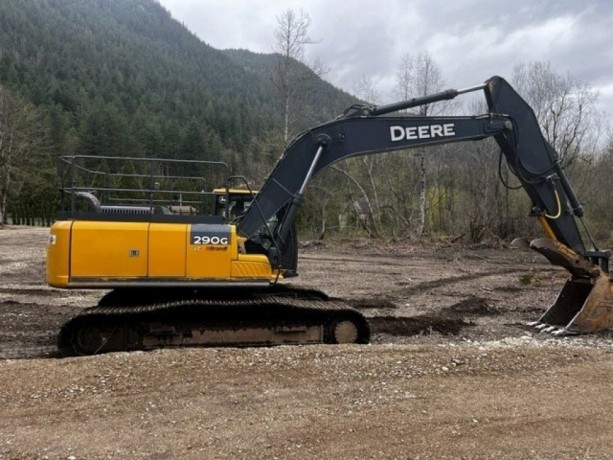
(451, 373)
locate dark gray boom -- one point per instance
(363, 130)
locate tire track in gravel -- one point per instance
(428, 285)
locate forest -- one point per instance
(123, 78)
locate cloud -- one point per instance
(469, 39)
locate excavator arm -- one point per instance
(364, 130)
(369, 130)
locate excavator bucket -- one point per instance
(585, 304)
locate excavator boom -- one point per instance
(367, 130)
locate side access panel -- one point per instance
(210, 251)
(167, 250)
(109, 249)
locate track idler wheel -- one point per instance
(344, 332)
(347, 330)
(92, 339)
(81, 336)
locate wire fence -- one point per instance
(30, 221)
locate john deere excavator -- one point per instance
(182, 275)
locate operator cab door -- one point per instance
(234, 203)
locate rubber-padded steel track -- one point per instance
(139, 319)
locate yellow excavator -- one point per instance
(185, 267)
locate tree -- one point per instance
(419, 76)
(290, 72)
(367, 210)
(565, 108)
(594, 193)
(20, 140)
(366, 89)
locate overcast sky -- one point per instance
(471, 40)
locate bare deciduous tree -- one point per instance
(289, 75)
(20, 137)
(565, 108)
(366, 89)
(419, 76)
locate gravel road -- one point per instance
(451, 373)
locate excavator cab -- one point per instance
(231, 203)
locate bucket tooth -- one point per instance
(563, 333)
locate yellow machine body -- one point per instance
(114, 254)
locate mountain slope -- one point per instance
(123, 78)
(126, 70)
(317, 99)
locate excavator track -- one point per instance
(137, 319)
